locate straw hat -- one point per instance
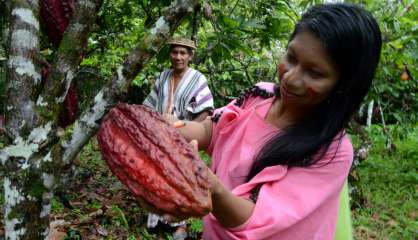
(182, 42)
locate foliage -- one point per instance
(241, 45)
(241, 42)
(387, 182)
(236, 45)
(396, 92)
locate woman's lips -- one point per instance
(287, 93)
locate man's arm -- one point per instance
(201, 116)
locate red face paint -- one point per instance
(311, 93)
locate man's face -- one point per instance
(180, 57)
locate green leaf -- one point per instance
(253, 23)
(229, 22)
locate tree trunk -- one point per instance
(35, 149)
(21, 181)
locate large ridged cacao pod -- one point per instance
(154, 161)
(56, 15)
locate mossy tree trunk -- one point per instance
(35, 149)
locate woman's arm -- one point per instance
(199, 131)
(202, 116)
(229, 210)
(192, 130)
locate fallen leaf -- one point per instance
(55, 230)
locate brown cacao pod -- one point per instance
(2, 123)
(154, 161)
(404, 76)
(70, 110)
(207, 10)
(56, 15)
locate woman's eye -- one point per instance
(290, 58)
(315, 74)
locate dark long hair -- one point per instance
(352, 39)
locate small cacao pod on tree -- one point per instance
(154, 161)
(70, 110)
(404, 76)
(207, 10)
(2, 124)
(56, 15)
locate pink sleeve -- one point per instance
(223, 117)
(295, 203)
(227, 114)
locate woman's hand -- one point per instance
(168, 217)
(170, 118)
(200, 131)
(145, 205)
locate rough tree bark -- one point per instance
(35, 149)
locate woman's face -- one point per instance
(307, 73)
(179, 57)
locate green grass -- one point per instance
(387, 182)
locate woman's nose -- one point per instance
(293, 76)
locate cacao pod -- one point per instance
(56, 15)
(154, 161)
(404, 76)
(70, 110)
(207, 10)
(2, 123)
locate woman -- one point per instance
(280, 154)
(181, 90)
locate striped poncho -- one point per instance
(191, 97)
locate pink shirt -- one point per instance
(293, 204)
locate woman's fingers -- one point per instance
(195, 145)
(145, 205)
(178, 124)
(170, 218)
